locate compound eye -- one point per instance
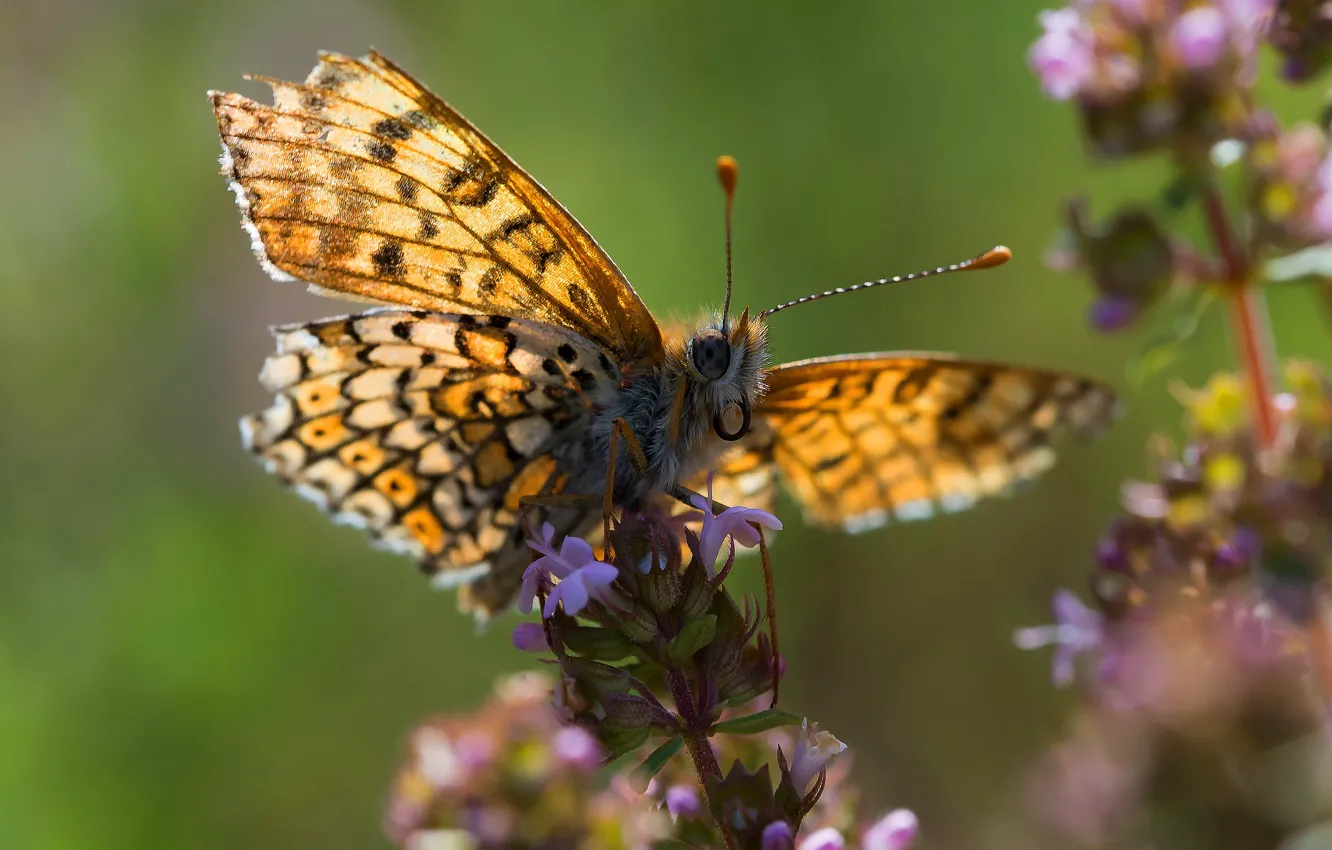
(712, 355)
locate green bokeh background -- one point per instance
(192, 657)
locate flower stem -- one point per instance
(696, 740)
(1253, 333)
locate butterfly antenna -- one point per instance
(727, 172)
(996, 256)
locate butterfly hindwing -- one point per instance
(426, 429)
(362, 182)
(862, 439)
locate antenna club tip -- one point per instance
(727, 172)
(996, 256)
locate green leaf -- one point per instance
(620, 741)
(652, 765)
(696, 634)
(759, 722)
(1163, 347)
(598, 643)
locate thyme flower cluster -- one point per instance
(1203, 647)
(660, 722)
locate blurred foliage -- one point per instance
(190, 655)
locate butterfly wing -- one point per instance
(864, 438)
(362, 182)
(427, 429)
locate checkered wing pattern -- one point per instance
(427, 429)
(862, 439)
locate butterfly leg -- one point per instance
(686, 496)
(637, 457)
(567, 501)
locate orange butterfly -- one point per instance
(510, 354)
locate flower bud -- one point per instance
(1302, 31)
(696, 591)
(1130, 259)
(640, 625)
(660, 589)
(894, 831)
(778, 835)
(529, 637)
(629, 711)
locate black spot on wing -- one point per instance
(913, 383)
(490, 280)
(516, 226)
(330, 77)
(406, 187)
(567, 352)
(382, 151)
(429, 228)
(388, 259)
(581, 301)
(585, 379)
(417, 119)
(392, 128)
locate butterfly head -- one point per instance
(723, 367)
(725, 359)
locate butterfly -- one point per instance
(507, 359)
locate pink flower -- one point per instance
(475, 750)
(828, 838)
(682, 802)
(894, 831)
(1132, 12)
(1076, 629)
(1249, 21)
(529, 637)
(1063, 57)
(1320, 216)
(736, 523)
(575, 747)
(814, 751)
(582, 586)
(1199, 38)
(582, 577)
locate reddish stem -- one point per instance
(1248, 310)
(696, 741)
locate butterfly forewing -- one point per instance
(362, 182)
(863, 439)
(427, 429)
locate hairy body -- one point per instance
(671, 412)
